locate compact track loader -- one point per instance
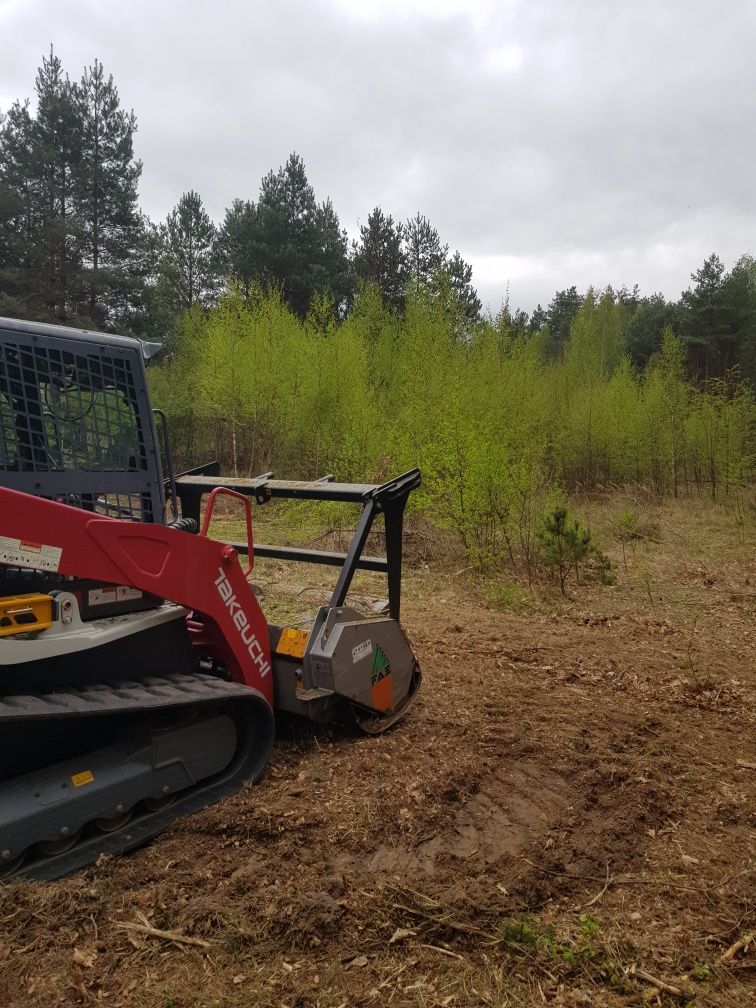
(138, 674)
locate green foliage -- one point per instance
(526, 935)
(701, 971)
(494, 425)
(502, 595)
(564, 542)
(560, 314)
(424, 253)
(602, 567)
(112, 228)
(626, 529)
(238, 245)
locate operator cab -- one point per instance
(75, 420)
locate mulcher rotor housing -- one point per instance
(138, 673)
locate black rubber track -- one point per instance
(202, 693)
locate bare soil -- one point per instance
(564, 818)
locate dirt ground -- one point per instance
(564, 818)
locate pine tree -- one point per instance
(564, 543)
(424, 253)
(379, 258)
(112, 228)
(459, 274)
(332, 270)
(560, 313)
(739, 296)
(645, 326)
(303, 250)
(538, 319)
(288, 233)
(55, 157)
(20, 248)
(239, 245)
(705, 322)
(189, 267)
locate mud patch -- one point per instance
(510, 810)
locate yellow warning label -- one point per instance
(292, 642)
(80, 779)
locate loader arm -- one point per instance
(191, 570)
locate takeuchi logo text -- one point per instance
(241, 622)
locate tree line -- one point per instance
(76, 248)
(715, 319)
(500, 427)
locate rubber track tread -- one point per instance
(125, 695)
(119, 696)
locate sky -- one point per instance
(552, 142)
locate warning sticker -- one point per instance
(362, 651)
(106, 596)
(21, 553)
(292, 642)
(80, 779)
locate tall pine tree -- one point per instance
(111, 226)
(55, 156)
(20, 249)
(332, 272)
(239, 245)
(286, 210)
(459, 274)
(424, 253)
(379, 257)
(71, 235)
(189, 267)
(559, 316)
(303, 250)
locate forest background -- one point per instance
(287, 347)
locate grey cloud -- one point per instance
(567, 142)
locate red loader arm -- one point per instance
(191, 570)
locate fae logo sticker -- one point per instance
(381, 665)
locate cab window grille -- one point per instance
(65, 411)
(79, 417)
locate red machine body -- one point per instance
(225, 623)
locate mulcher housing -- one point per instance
(138, 674)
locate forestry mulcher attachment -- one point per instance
(138, 674)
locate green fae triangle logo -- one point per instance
(381, 665)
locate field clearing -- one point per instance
(565, 816)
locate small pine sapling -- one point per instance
(564, 542)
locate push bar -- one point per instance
(388, 498)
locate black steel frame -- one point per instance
(388, 499)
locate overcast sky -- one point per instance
(553, 142)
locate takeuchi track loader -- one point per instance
(138, 673)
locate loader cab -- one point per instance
(75, 420)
